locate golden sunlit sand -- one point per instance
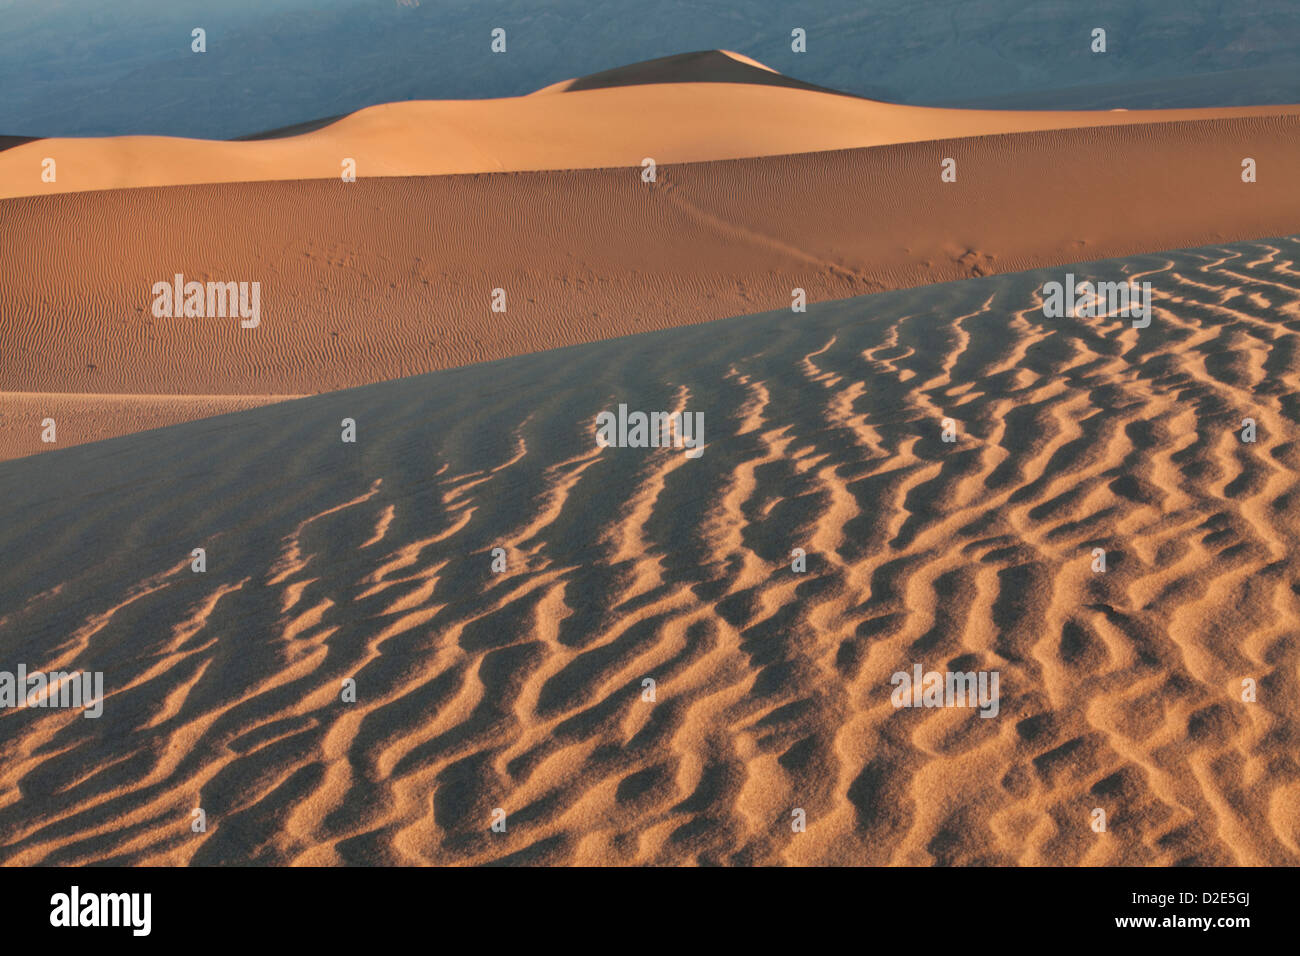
(497, 587)
(606, 125)
(524, 689)
(394, 274)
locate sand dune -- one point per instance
(612, 120)
(523, 690)
(383, 278)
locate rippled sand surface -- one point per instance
(524, 689)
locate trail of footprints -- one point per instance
(523, 690)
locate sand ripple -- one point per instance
(523, 690)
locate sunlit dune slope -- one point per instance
(619, 122)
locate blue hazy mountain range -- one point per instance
(84, 67)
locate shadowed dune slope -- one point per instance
(672, 111)
(382, 278)
(523, 689)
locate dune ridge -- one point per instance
(523, 690)
(613, 119)
(705, 66)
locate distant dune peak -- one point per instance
(703, 66)
(741, 58)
